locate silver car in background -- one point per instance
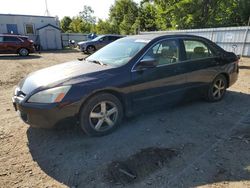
(97, 43)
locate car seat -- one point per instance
(199, 52)
(168, 55)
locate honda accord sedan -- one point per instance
(123, 78)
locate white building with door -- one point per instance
(43, 30)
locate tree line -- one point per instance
(127, 17)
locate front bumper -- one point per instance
(44, 115)
(32, 49)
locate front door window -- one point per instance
(165, 52)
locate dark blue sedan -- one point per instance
(123, 78)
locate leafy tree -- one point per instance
(84, 22)
(78, 25)
(148, 17)
(123, 14)
(126, 17)
(105, 27)
(65, 23)
(87, 15)
(185, 14)
(244, 10)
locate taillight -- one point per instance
(238, 58)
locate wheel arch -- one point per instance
(226, 76)
(91, 45)
(114, 92)
(22, 48)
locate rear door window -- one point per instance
(105, 39)
(196, 50)
(112, 38)
(11, 39)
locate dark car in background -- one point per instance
(16, 44)
(126, 77)
(97, 43)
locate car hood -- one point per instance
(82, 42)
(86, 42)
(67, 73)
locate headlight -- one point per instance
(50, 95)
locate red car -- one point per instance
(16, 44)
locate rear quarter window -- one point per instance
(196, 49)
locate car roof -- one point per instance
(150, 37)
(11, 35)
(114, 35)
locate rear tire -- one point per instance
(23, 52)
(217, 89)
(101, 114)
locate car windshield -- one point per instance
(118, 53)
(97, 38)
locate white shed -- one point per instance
(51, 37)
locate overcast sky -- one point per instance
(59, 8)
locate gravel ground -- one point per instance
(196, 144)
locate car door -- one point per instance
(102, 42)
(163, 83)
(201, 63)
(11, 44)
(1, 45)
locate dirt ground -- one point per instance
(197, 144)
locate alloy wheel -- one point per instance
(103, 116)
(23, 52)
(90, 49)
(218, 88)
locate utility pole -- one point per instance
(47, 10)
(245, 38)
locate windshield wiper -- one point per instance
(97, 62)
(83, 58)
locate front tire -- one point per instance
(90, 49)
(23, 52)
(101, 114)
(217, 89)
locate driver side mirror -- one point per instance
(101, 40)
(147, 63)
